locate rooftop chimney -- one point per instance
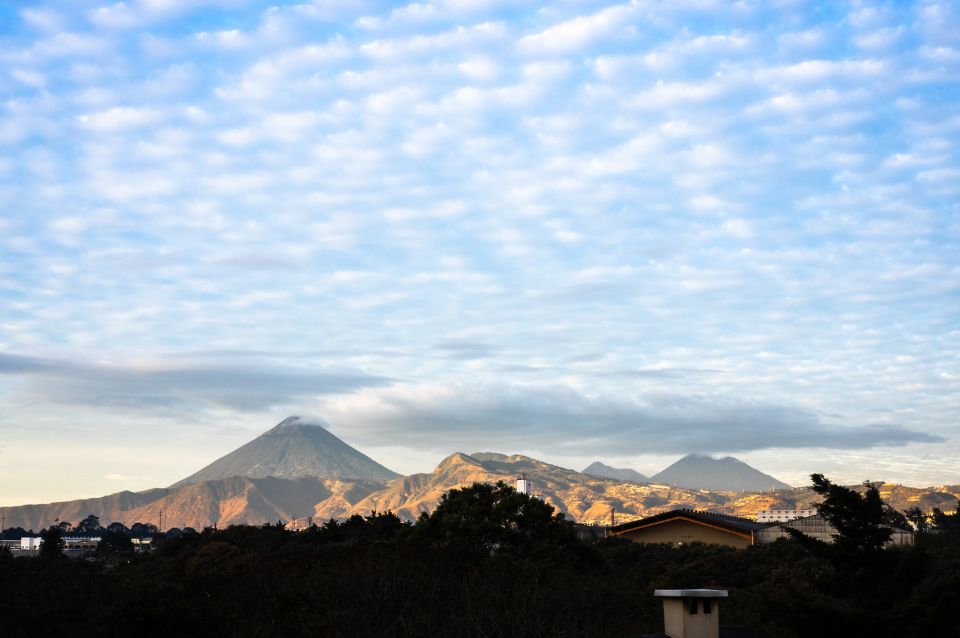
(691, 613)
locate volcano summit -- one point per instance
(295, 448)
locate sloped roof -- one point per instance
(724, 521)
(821, 519)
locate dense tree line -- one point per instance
(487, 562)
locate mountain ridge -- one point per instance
(623, 474)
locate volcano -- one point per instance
(295, 448)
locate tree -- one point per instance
(52, 542)
(918, 519)
(947, 522)
(13, 533)
(113, 543)
(488, 518)
(858, 518)
(90, 526)
(894, 518)
(142, 530)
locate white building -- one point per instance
(524, 486)
(28, 543)
(783, 516)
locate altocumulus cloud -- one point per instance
(705, 199)
(237, 381)
(560, 419)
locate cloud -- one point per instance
(466, 350)
(475, 37)
(247, 383)
(131, 14)
(120, 118)
(561, 419)
(43, 19)
(610, 197)
(579, 32)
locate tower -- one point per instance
(524, 486)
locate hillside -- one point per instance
(222, 502)
(589, 499)
(582, 497)
(108, 508)
(293, 449)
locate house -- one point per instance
(819, 528)
(683, 526)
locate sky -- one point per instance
(574, 230)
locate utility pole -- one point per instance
(166, 492)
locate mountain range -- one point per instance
(298, 470)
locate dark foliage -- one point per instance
(14, 533)
(861, 521)
(90, 526)
(142, 530)
(114, 543)
(918, 519)
(488, 519)
(52, 545)
(485, 563)
(947, 523)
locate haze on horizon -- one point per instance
(574, 230)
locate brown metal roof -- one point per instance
(725, 521)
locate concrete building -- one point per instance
(695, 613)
(819, 528)
(679, 527)
(691, 613)
(524, 485)
(30, 543)
(784, 515)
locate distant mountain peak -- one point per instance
(705, 472)
(620, 474)
(456, 459)
(295, 448)
(297, 420)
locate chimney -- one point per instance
(691, 613)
